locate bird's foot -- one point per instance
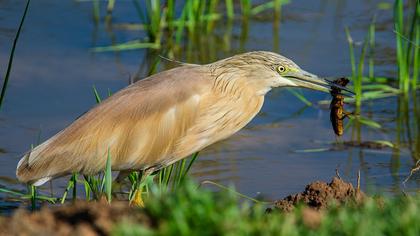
(137, 199)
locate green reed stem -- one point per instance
(12, 54)
(74, 180)
(181, 26)
(415, 47)
(229, 9)
(403, 76)
(299, 96)
(140, 13)
(357, 88)
(170, 15)
(108, 177)
(193, 158)
(246, 7)
(110, 6)
(232, 191)
(95, 11)
(372, 49)
(87, 190)
(96, 94)
(277, 6)
(416, 59)
(360, 68)
(33, 196)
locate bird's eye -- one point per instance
(281, 69)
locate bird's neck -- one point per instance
(237, 82)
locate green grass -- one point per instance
(197, 211)
(407, 30)
(96, 11)
(407, 34)
(12, 54)
(372, 29)
(156, 16)
(357, 68)
(230, 12)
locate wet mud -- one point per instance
(80, 218)
(319, 195)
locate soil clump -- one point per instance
(79, 218)
(319, 195)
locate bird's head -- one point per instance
(266, 70)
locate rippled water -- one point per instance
(54, 71)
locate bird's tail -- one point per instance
(26, 174)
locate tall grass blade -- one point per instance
(357, 71)
(231, 190)
(97, 97)
(70, 185)
(351, 51)
(360, 69)
(131, 45)
(400, 46)
(87, 190)
(33, 196)
(300, 96)
(229, 9)
(372, 48)
(28, 196)
(9, 191)
(181, 26)
(415, 36)
(12, 54)
(275, 4)
(245, 7)
(108, 177)
(139, 11)
(416, 57)
(193, 158)
(95, 11)
(110, 6)
(74, 180)
(170, 16)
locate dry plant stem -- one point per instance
(412, 171)
(231, 190)
(337, 172)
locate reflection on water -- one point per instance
(54, 71)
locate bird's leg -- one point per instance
(137, 199)
(122, 175)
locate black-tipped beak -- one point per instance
(305, 79)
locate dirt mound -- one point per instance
(81, 218)
(318, 195)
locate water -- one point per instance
(54, 71)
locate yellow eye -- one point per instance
(281, 69)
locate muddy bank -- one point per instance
(99, 218)
(318, 195)
(80, 218)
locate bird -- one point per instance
(166, 117)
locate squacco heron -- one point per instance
(166, 117)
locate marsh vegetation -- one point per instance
(378, 49)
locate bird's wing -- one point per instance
(137, 126)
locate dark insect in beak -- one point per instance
(337, 113)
